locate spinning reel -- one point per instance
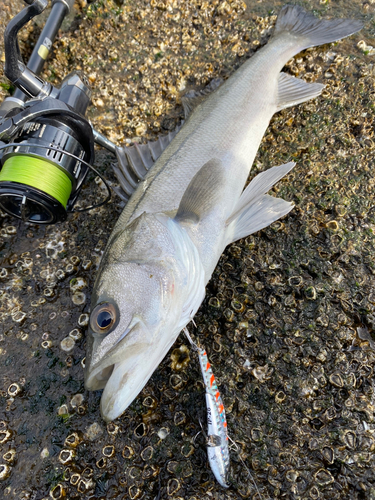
(46, 143)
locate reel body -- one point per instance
(40, 184)
(46, 143)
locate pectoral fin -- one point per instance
(255, 209)
(203, 192)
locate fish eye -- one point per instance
(103, 317)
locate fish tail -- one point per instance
(311, 31)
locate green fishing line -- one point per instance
(39, 174)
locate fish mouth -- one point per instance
(97, 379)
(126, 368)
(122, 387)
(122, 381)
(122, 372)
(98, 374)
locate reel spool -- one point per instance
(34, 190)
(36, 182)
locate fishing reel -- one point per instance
(46, 143)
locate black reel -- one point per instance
(46, 143)
(64, 130)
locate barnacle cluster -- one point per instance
(289, 317)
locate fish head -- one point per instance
(134, 311)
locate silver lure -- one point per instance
(217, 434)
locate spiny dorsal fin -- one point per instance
(202, 193)
(136, 160)
(293, 91)
(193, 98)
(255, 209)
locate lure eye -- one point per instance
(103, 317)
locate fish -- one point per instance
(188, 207)
(217, 428)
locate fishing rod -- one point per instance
(46, 142)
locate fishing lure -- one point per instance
(217, 435)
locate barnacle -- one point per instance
(93, 432)
(10, 455)
(134, 492)
(179, 418)
(140, 430)
(77, 400)
(163, 432)
(173, 486)
(78, 298)
(101, 463)
(85, 485)
(58, 492)
(108, 451)
(112, 428)
(127, 452)
(150, 402)
(323, 477)
(176, 381)
(147, 453)
(75, 478)
(72, 440)
(83, 320)
(349, 438)
(5, 471)
(180, 358)
(14, 389)
(66, 456)
(187, 450)
(67, 344)
(5, 435)
(328, 454)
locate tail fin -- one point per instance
(312, 31)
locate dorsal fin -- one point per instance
(193, 98)
(136, 160)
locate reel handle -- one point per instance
(15, 69)
(60, 8)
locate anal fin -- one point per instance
(293, 91)
(256, 210)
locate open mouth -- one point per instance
(97, 381)
(122, 378)
(97, 376)
(123, 370)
